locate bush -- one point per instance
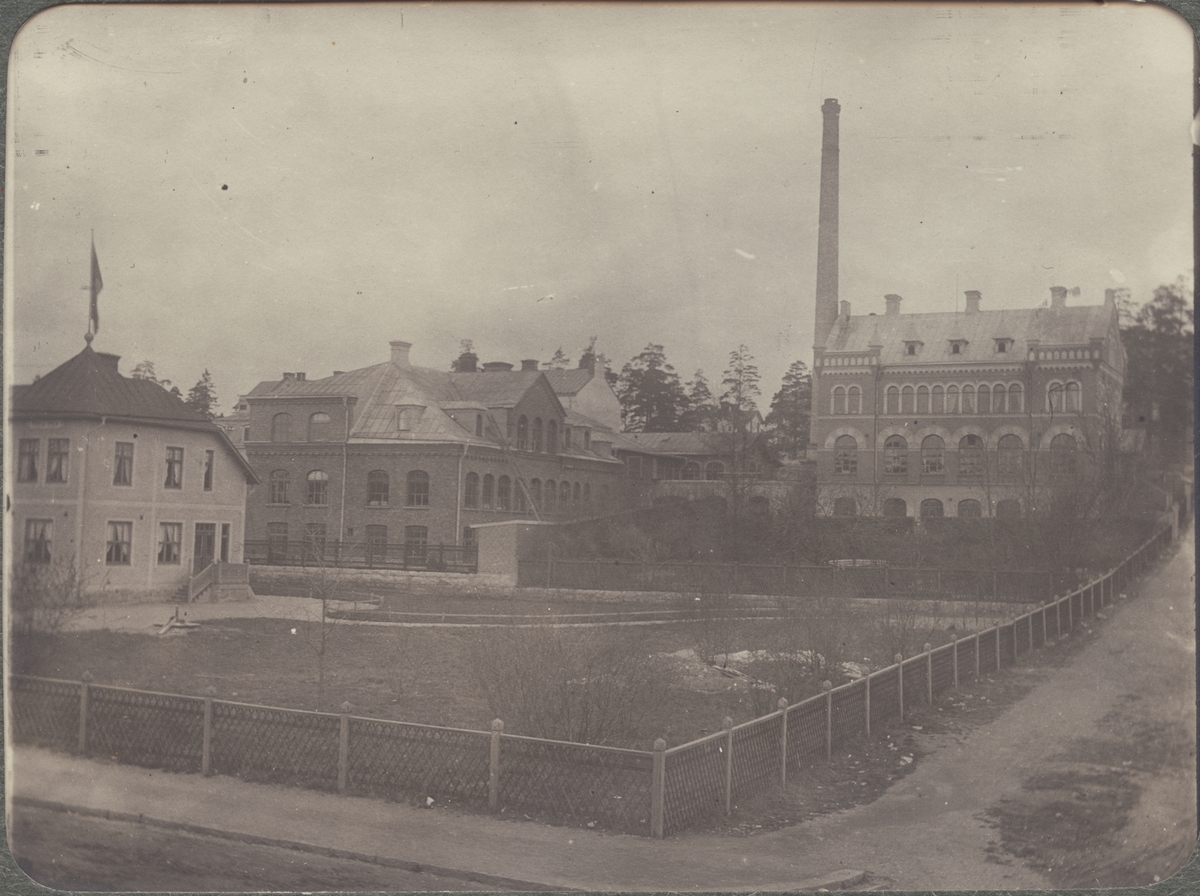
(43, 598)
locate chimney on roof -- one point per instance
(338, 372)
(1058, 297)
(844, 308)
(973, 297)
(288, 376)
(467, 363)
(400, 353)
(496, 366)
(893, 303)
(301, 376)
(529, 364)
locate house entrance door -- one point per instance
(205, 548)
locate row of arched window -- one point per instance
(1000, 398)
(932, 508)
(316, 488)
(1010, 451)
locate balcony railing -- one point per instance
(359, 555)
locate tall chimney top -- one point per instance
(827, 226)
(893, 303)
(831, 105)
(1058, 297)
(529, 363)
(973, 298)
(400, 353)
(496, 366)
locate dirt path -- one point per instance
(1087, 781)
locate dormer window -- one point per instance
(957, 346)
(407, 416)
(912, 347)
(1003, 345)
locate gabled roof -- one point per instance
(1049, 326)
(679, 444)
(89, 385)
(569, 382)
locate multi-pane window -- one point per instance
(123, 464)
(376, 543)
(314, 540)
(1009, 452)
(970, 509)
(170, 543)
(281, 428)
(504, 493)
(970, 457)
(998, 400)
(39, 538)
(58, 460)
(415, 540)
(209, 460)
(522, 433)
(854, 400)
(1015, 396)
(470, 541)
(27, 460)
(471, 490)
(1062, 455)
(952, 400)
(552, 436)
(931, 509)
(985, 400)
(174, 477)
(277, 488)
(537, 433)
(714, 470)
(320, 428)
(318, 488)
(933, 456)
(489, 489)
(277, 542)
(968, 399)
(922, 399)
(120, 543)
(893, 400)
(895, 456)
(378, 488)
(691, 470)
(418, 489)
(1072, 397)
(1064, 397)
(839, 400)
(938, 405)
(906, 400)
(845, 455)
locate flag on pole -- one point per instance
(97, 285)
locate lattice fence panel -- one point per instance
(1021, 633)
(45, 712)
(1007, 635)
(885, 697)
(806, 732)
(279, 746)
(966, 659)
(987, 650)
(914, 671)
(395, 760)
(142, 728)
(756, 756)
(849, 713)
(1059, 620)
(695, 783)
(943, 670)
(1037, 622)
(577, 782)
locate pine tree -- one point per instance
(702, 409)
(145, 371)
(791, 412)
(741, 382)
(650, 393)
(202, 397)
(559, 362)
(588, 357)
(467, 359)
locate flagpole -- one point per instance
(96, 284)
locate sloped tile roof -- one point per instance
(569, 382)
(677, 443)
(1051, 326)
(495, 388)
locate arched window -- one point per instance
(952, 400)
(1015, 398)
(552, 437)
(968, 399)
(895, 456)
(537, 434)
(714, 469)
(998, 400)
(566, 438)
(575, 498)
(845, 507)
(845, 455)
(1008, 509)
(318, 488)
(281, 428)
(854, 400)
(551, 496)
(378, 486)
(418, 488)
(691, 470)
(892, 405)
(922, 399)
(320, 429)
(504, 493)
(479, 424)
(471, 490)
(535, 492)
(906, 400)
(933, 456)
(278, 487)
(1009, 452)
(1072, 398)
(520, 502)
(839, 399)
(939, 401)
(1062, 455)
(1054, 397)
(970, 457)
(969, 509)
(895, 507)
(522, 433)
(931, 509)
(489, 488)
(985, 400)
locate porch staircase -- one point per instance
(218, 581)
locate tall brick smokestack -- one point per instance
(827, 229)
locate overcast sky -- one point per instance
(289, 187)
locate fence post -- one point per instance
(900, 682)
(658, 780)
(734, 588)
(867, 701)
(827, 687)
(344, 747)
(994, 588)
(929, 672)
(206, 745)
(996, 629)
(1031, 632)
(1071, 612)
(954, 650)
(494, 765)
(727, 724)
(783, 722)
(84, 686)
(977, 656)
